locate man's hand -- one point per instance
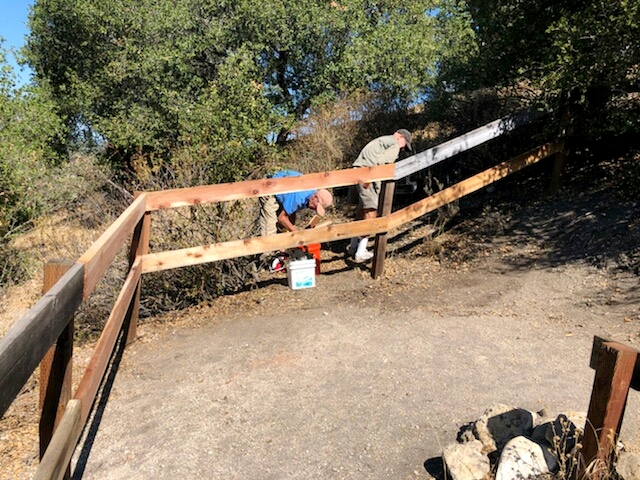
(287, 221)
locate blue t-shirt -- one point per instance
(292, 202)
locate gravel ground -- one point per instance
(360, 378)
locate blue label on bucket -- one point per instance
(304, 282)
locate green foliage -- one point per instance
(595, 44)
(556, 49)
(35, 179)
(29, 130)
(558, 46)
(153, 76)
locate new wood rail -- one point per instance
(154, 262)
(25, 345)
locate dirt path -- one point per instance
(357, 378)
(360, 378)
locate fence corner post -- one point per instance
(139, 246)
(56, 366)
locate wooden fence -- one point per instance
(46, 330)
(617, 369)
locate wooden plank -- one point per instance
(25, 344)
(101, 254)
(88, 387)
(251, 246)
(254, 188)
(55, 462)
(470, 185)
(56, 366)
(380, 248)
(465, 142)
(615, 364)
(266, 186)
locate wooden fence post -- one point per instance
(559, 161)
(56, 366)
(614, 364)
(560, 158)
(380, 247)
(139, 246)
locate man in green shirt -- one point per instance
(379, 151)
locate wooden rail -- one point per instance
(101, 254)
(24, 346)
(268, 186)
(617, 369)
(55, 462)
(465, 142)
(154, 262)
(88, 388)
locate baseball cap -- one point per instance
(325, 199)
(407, 137)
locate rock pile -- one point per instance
(508, 443)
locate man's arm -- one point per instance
(287, 221)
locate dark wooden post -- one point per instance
(385, 206)
(560, 158)
(614, 364)
(56, 366)
(559, 161)
(139, 246)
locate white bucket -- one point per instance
(301, 273)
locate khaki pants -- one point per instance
(268, 215)
(366, 198)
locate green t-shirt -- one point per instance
(379, 151)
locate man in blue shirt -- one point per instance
(280, 209)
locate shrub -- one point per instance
(192, 226)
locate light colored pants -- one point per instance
(368, 197)
(268, 215)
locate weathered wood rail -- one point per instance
(49, 321)
(617, 369)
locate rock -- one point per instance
(579, 419)
(628, 466)
(521, 458)
(465, 461)
(465, 434)
(501, 423)
(559, 439)
(561, 434)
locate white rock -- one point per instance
(521, 458)
(465, 461)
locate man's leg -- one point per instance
(361, 252)
(268, 215)
(367, 209)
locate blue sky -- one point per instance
(13, 28)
